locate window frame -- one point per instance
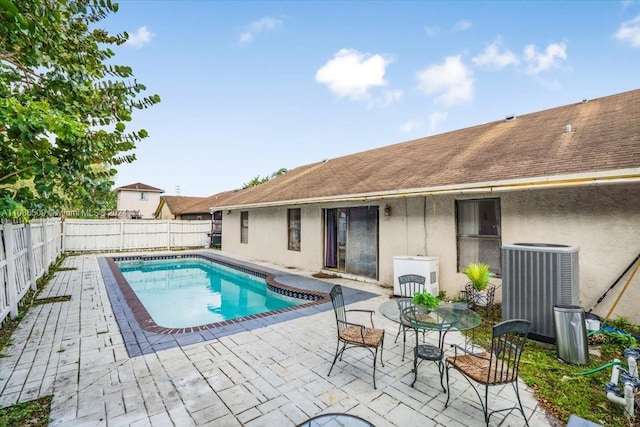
(244, 227)
(496, 236)
(144, 195)
(294, 229)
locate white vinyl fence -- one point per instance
(124, 235)
(26, 252)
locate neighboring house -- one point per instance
(194, 208)
(175, 207)
(568, 175)
(137, 201)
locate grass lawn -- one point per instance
(564, 389)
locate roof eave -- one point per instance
(618, 176)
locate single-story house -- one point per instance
(137, 201)
(568, 175)
(177, 207)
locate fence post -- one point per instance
(58, 225)
(121, 234)
(30, 258)
(45, 253)
(169, 234)
(12, 292)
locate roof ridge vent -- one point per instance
(509, 118)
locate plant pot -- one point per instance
(481, 298)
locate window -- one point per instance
(244, 227)
(294, 229)
(143, 195)
(479, 233)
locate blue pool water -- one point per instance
(180, 293)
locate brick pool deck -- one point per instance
(272, 373)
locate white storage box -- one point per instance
(426, 266)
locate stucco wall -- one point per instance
(130, 201)
(604, 222)
(268, 236)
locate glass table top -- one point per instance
(447, 316)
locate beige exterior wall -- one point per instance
(268, 236)
(604, 222)
(129, 200)
(165, 213)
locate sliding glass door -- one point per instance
(351, 240)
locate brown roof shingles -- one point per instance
(138, 186)
(605, 136)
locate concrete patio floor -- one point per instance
(274, 375)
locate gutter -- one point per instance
(620, 176)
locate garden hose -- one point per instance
(600, 368)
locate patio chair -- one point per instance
(409, 285)
(499, 365)
(354, 334)
(428, 352)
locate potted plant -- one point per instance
(479, 275)
(426, 300)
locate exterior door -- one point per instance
(351, 240)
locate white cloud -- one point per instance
(352, 74)
(461, 26)
(141, 37)
(435, 118)
(387, 98)
(410, 125)
(542, 61)
(492, 57)
(629, 32)
(264, 25)
(451, 81)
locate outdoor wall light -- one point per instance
(228, 212)
(387, 210)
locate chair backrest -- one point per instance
(507, 344)
(410, 284)
(337, 299)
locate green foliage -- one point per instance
(34, 413)
(63, 105)
(478, 274)
(426, 300)
(257, 180)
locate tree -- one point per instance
(63, 105)
(257, 180)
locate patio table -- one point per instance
(460, 317)
(444, 318)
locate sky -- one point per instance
(248, 88)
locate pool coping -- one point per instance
(143, 336)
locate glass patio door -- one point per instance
(351, 240)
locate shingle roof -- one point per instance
(210, 202)
(180, 204)
(605, 136)
(140, 187)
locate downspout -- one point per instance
(424, 219)
(406, 225)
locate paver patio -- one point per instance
(273, 375)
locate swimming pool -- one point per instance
(192, 291)
(141, 335)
